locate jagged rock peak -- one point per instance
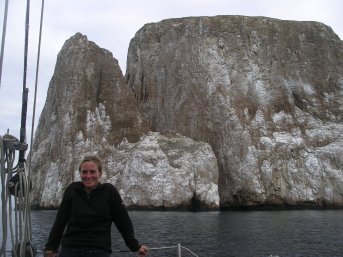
(87, 101)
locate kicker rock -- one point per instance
(266, 94)
(90, 110)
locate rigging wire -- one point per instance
(36, 83)
(3, 38)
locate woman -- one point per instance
(87, 210)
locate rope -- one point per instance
(7, 156)
(3, 196)
(3, 38)
(23, 211)
(19, 186)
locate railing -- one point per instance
(178, 248)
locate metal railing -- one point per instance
(178, 248)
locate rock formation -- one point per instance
(265, 95)
(90, 110)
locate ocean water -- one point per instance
(293, 233)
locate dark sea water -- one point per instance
(219, 234)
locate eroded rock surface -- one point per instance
(91, 110)
(266, 94)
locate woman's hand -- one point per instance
(143, 251)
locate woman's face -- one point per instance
(90, 175)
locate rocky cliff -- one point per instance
(90, 110)
(265, 95)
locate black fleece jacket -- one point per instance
(88, 218)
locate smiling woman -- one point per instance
(87, 210)
(90, 172)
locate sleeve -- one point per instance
(61, 220)
(122, 220)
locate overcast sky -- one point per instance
(111, 24)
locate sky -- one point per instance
(111, 24)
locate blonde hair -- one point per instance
(94, 159)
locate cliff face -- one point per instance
(90, 110)
(246, 111)
(266, 95)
